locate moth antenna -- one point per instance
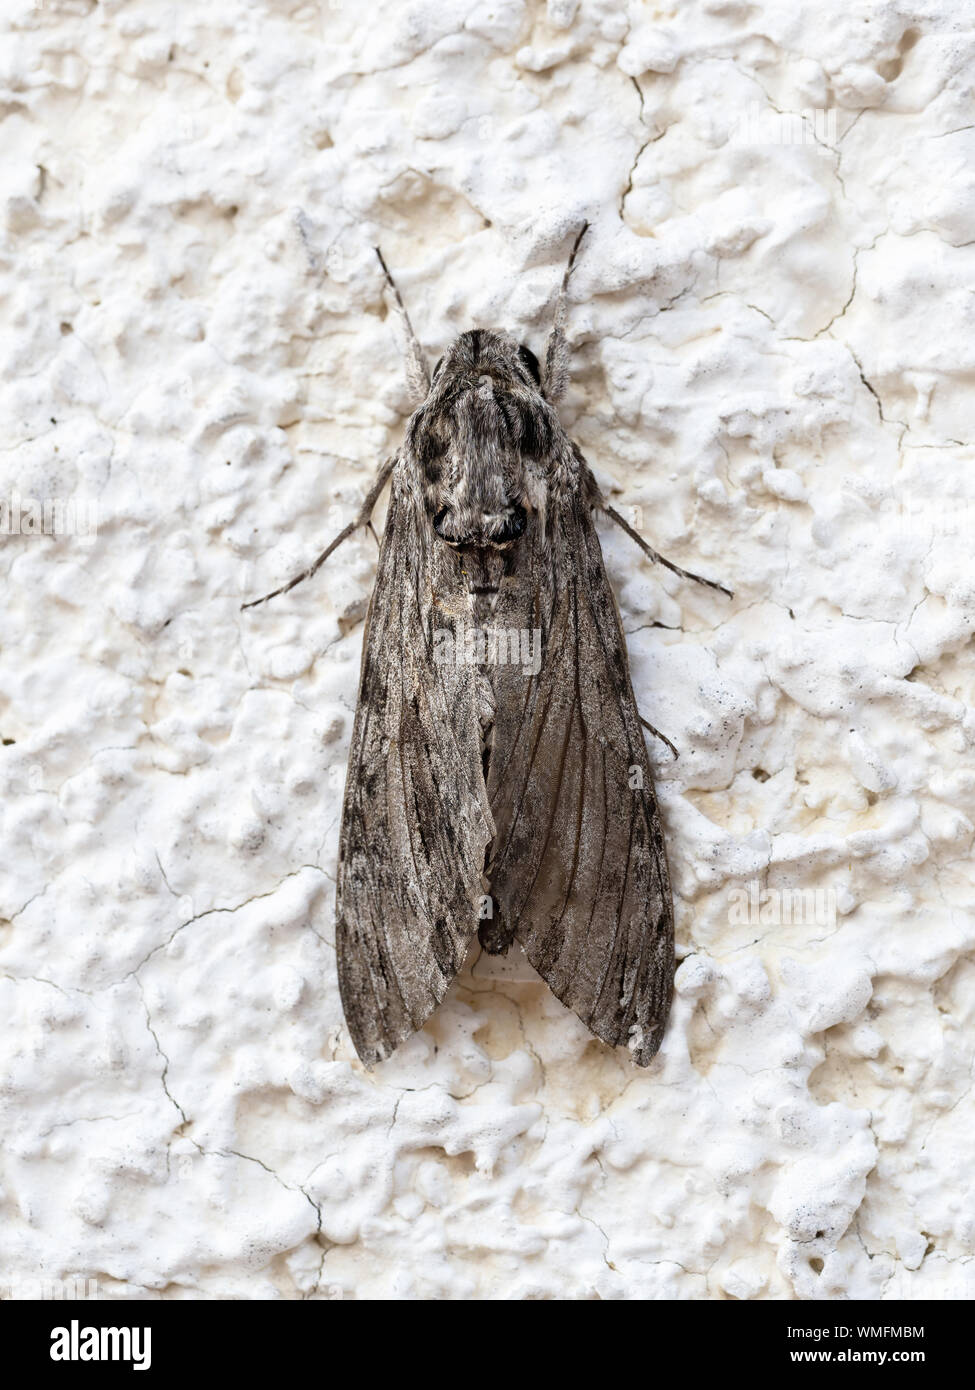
(557, 353)
(417, 371)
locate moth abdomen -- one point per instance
(495, 935)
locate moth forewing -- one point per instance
(578, 866)
(415, 819)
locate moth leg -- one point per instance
(655, 556)
(417, 371)
(557, 353)
(363, 519)
(663, 737)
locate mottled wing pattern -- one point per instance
(578, 870)
(415, 822)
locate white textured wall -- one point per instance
(773, 360)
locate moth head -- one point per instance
(500, 354)
(481, 440)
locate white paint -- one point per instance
(773, 362)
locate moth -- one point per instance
(511, 797)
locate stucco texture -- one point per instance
(773, 327)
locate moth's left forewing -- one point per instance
(578, 868)
(415, 821)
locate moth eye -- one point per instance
(530, 362)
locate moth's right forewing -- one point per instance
(578, 867)
(415, 820)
